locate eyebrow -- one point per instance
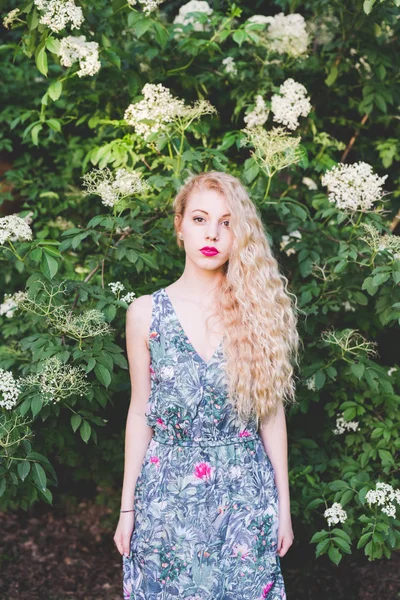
(206, 213)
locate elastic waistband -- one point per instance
(204, 442)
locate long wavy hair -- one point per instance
(259, 316)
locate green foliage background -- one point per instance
(55, 127)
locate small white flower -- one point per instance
(129, 297)
(353, 187)
(14, 228)
(9, 390)
(291, 103)
(148, 5)
(10, 18)
(59, 13)
(116, 286)
(184, 18)
(348, 307)
(335, 514)
(230, 66)
(342, 426)
(310, 383)
(112, 189)
(392, 370)
(236, 471)
(258, 115)
(166, 372)
(286, 34)
(159, 108)
(310, 183)
(76, 48)
(10, 303)
(285, 240)
(384, 495)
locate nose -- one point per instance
(212, 233)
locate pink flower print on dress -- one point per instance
(267, 589)
(152, 371)
(155, 460)
(161, 422)
(244, 433)
(241, 550)
(203, 470)
(127, 590)
(153, 334)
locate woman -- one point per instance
(205, 509)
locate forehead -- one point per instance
(207, 199)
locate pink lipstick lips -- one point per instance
(209, 251)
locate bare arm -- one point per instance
(137, 434)
(274, 437)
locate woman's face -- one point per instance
(206, 223)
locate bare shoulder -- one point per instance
(138, 316)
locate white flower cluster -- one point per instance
(335, 514)
(230, 66)
(10, 18)
(353, 187)
(384, 495)
(342, 426)
(286, 34)
(184, 18)
(148, 5)
(58, 13)
(348, 307)
(76, 48)
(258, 115)
(285, 240)
(310, 183)
(14, 228)
(117, 287)
(10, 304)
(159, 107)
(9, 390)
(324, 28)
(388, 242)
(310, 383)
(58, 381)
(101, 182)
(291, 103)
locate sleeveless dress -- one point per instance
(206, 503)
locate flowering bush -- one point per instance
(117, 104)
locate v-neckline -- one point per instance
(205, 362)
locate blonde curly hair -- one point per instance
(260, 320)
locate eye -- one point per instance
(194, 218)
(226, 222)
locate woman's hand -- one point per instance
(123, 533)
(285, 534)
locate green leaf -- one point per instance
(39, 476)
(48, 265)
(363, 539)
(75, 422)
(41, 60)
(239, 36)
(367, 6)
(149, 260)
(53, 46)
(55, 90)
(322, 547)
(36, 405)
(35, 133)
(54, 124)
(342, 544)
(358, 370)
(102, 374)
(3, 486)
(85, 431)
(23, 469)
(319, 535)
(334, 554)
(330, 80)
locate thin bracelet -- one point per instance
(127, 510)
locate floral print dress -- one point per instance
(206, 503)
